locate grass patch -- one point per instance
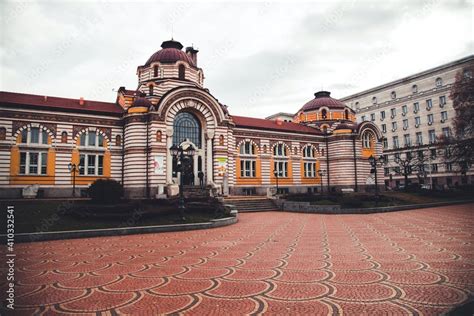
(62, 215)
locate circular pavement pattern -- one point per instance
(412, 262)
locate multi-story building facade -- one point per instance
(131, 139)
(412, 113)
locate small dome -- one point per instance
(322, 98)
(170, 53)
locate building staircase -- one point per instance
(251, 203)
(195, 192)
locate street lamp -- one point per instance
(277, 175)
(321, 173)
(373, 162)
(73, 169)
(180, 153)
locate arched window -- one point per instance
(324, 114)
(247, 148)
(155, 71)
(64, 137)
(346, 114)
(3, 133)
(181, 72)
(374, 100)
(91, 157)
(367, 140)
(414, 88)
(439, 82)
(393, 95)
(309, 165)
(118, 140)
(265, 149)
(309, 152)
(150, 90)
(158, 136)
(280, 150)
(186, 126)
(221, 140)
(34, 150)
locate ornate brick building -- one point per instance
(130, 139)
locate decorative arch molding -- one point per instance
(171, 101)
(106, 133)
(369, 126)
(254, 143)
(312, 146)
(19, 126)
(288, 147)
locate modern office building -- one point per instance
(412, 113)
(133, 139)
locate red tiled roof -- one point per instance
(242, 121)
(13, 98)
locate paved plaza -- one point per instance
(410, 262)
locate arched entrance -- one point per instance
(187, 130)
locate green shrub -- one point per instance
(105, 191)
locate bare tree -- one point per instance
(413, 161)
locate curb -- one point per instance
(384, 209)
(44, 236)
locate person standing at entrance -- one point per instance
(201, 178)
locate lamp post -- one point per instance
(73, 169)
(373, 162)
(321, 174)
(179, 153)
(277, 175)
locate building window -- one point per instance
(432, 136)
(367, 140)
(405, 124)
(446, 132)
(221, 140)
(280, 150)
(404, 110)
(374, 100)
(309, 169)
(281, 167)
(158, 136)
(407, 140)
(33, 163)
(439, 82)
(382, 115)
(449, 166)
(150, 90)
(64, 137)
(393, 95)
(386, 172)
(372, 117)
(395, 142)
(309, 152)
(419, 138)
(429, 104)
(155, 71)
(444, 116)
(393, 113)
(118, 140)
(384, 128)
(430, 119)
(434, 167)
(357, 105)
(394, 126)
(248, 168)
(181, 72)
(417, 121)
(91, 139)
(414, 88)
(91, 164)
(442, 101)
(3, 133)
(416, 107)
(34, 135)
(324, 114)
(385, 143)
(363, 118)
(247, 148)
(346, 114)
(186, 126)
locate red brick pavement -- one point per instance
(411, 262)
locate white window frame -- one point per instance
(279, 150)
(247, 148)
(281, 167)
(249, 172)
(366, 138)
(42, 158)
(84, 169)
(41, 135)
(309, 169)
(98, 136)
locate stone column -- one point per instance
(195, 168)
(169, 159)
(209, 162)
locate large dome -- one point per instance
(322, 98)
(170, 53)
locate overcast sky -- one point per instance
(259, 58)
